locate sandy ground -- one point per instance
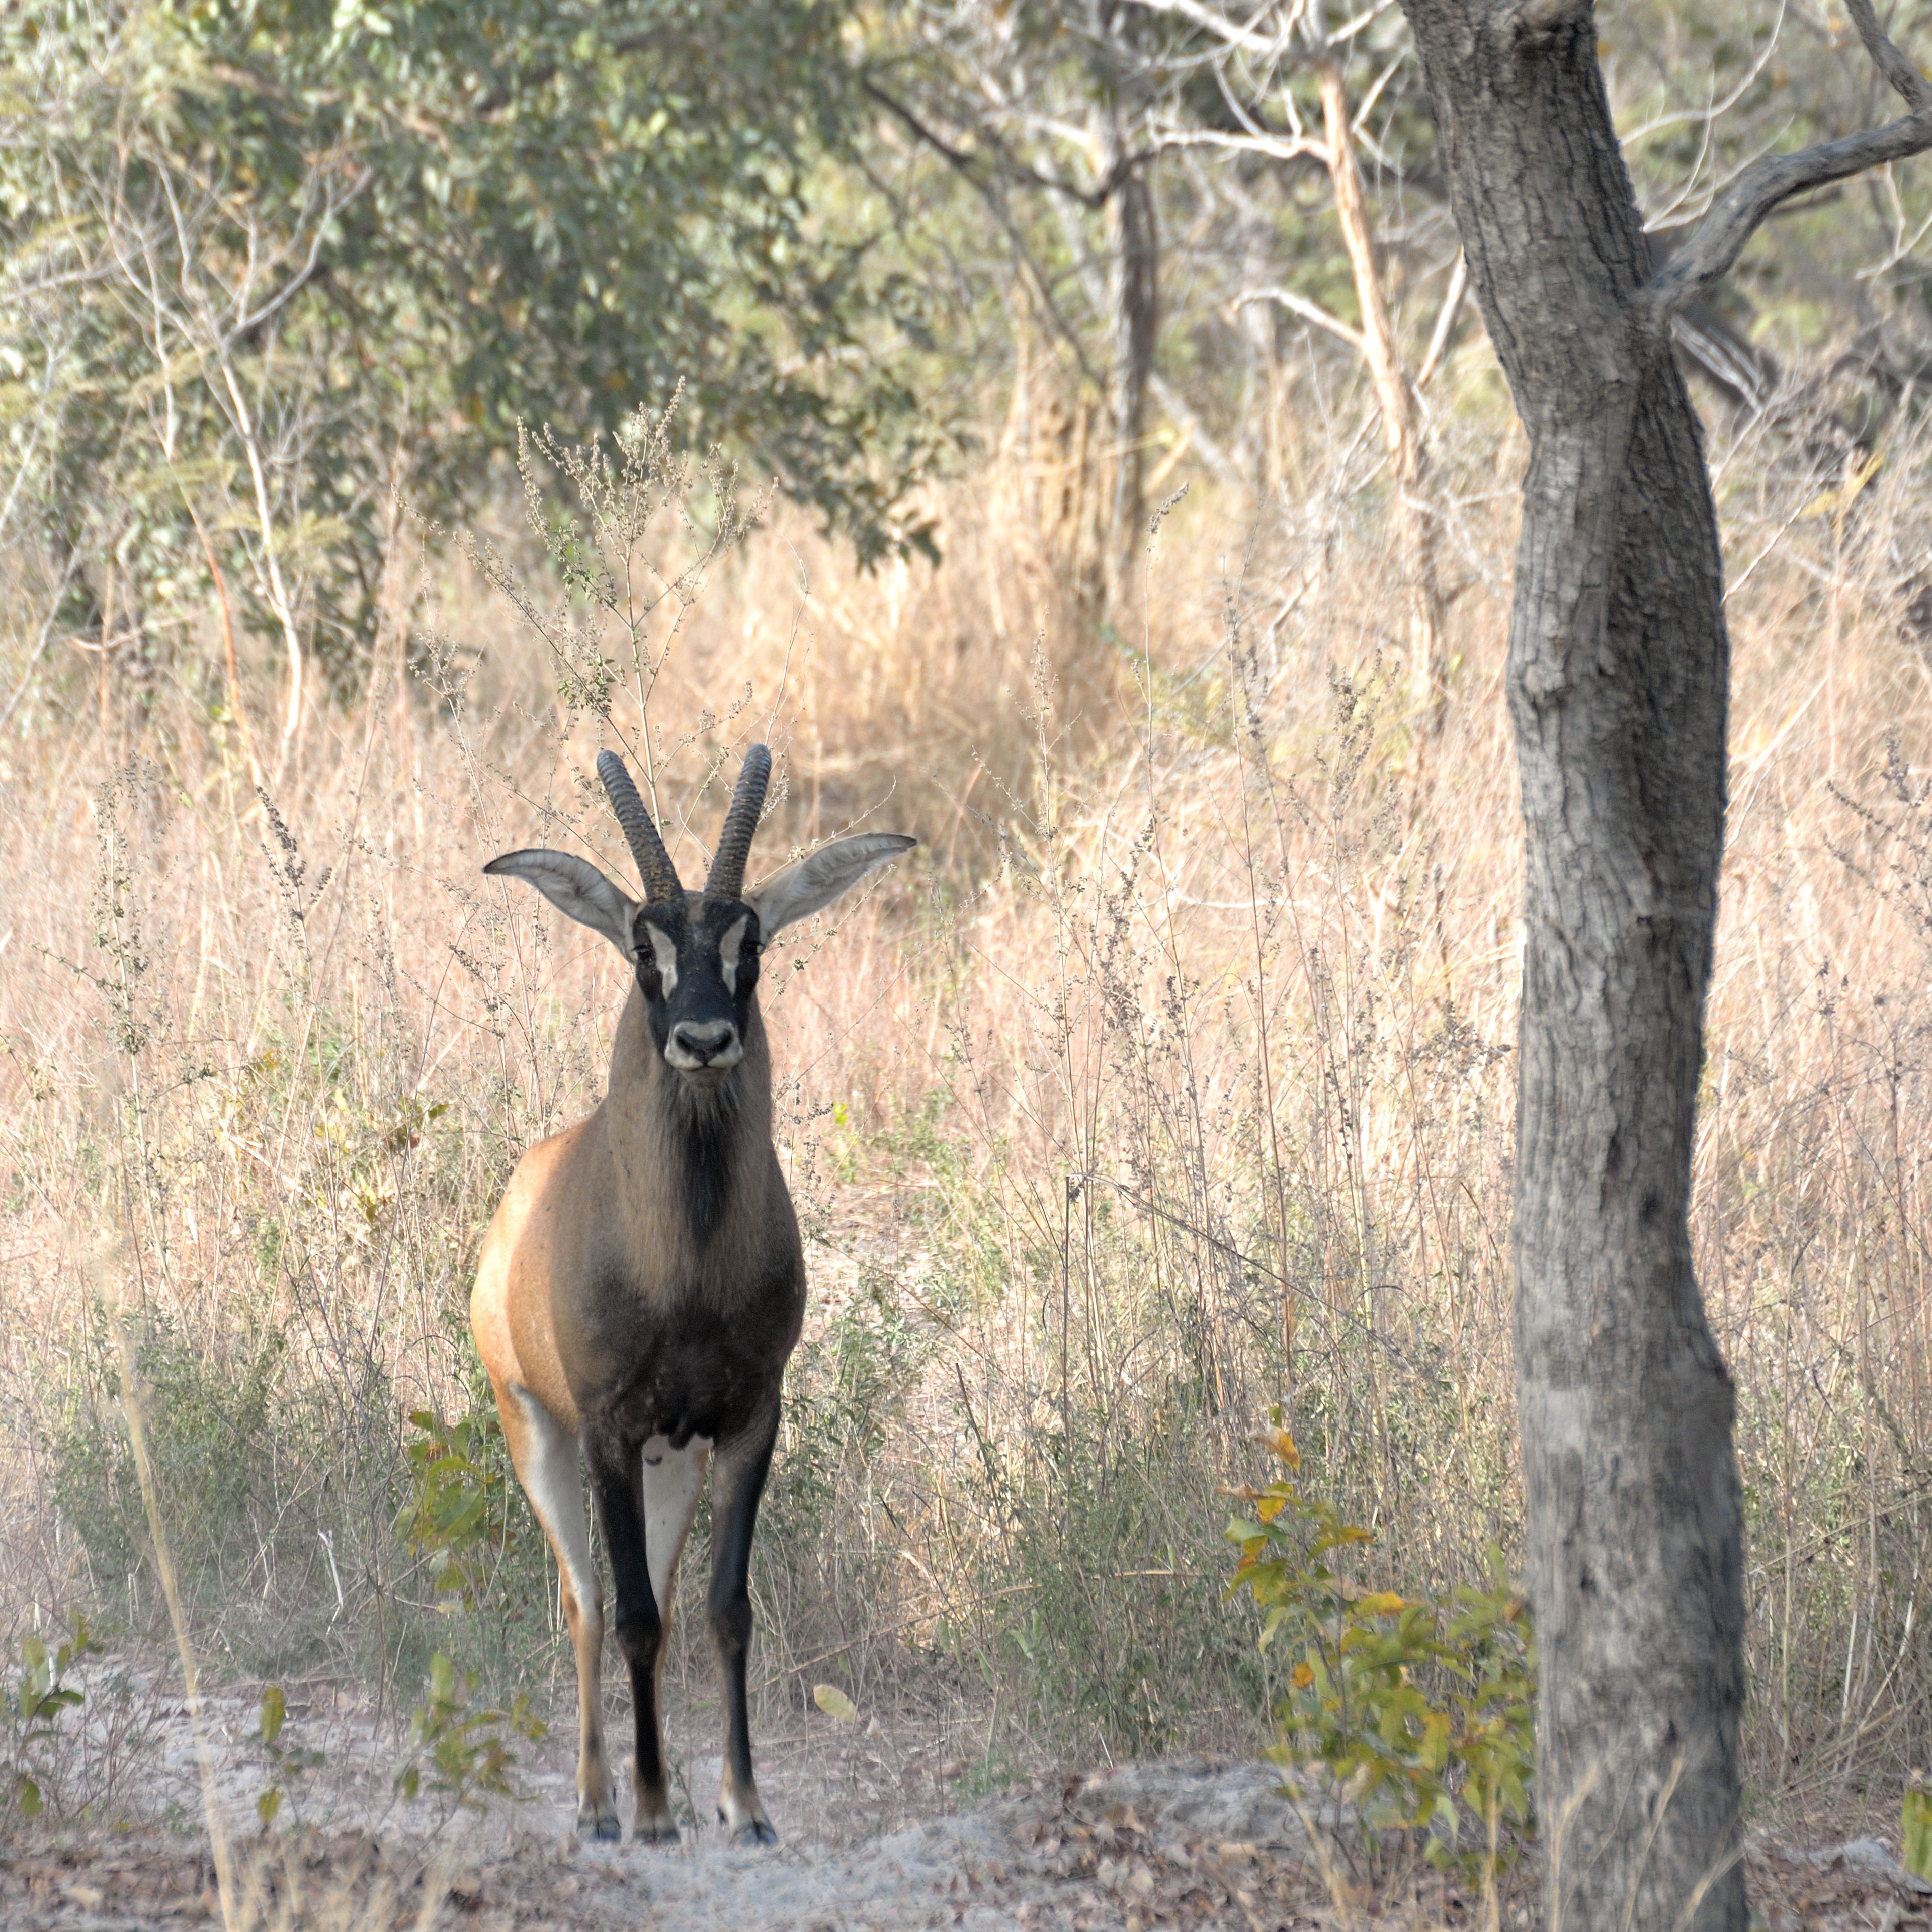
(892, 1822)
(1177, 1842)
(1170, 1843)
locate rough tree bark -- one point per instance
(1137, 317)
(1618, 680)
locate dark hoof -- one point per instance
(753, 1834)
(663, 1833)
(600, 1831)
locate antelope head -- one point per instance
(696, 953)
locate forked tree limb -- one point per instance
(1905, 80)
(1720, 236)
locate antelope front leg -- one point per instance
(738, 1480)
(615, 1486)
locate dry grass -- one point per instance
(1172, 1080)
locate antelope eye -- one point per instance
(657, 962)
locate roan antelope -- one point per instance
(642, 1285)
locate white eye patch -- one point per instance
(665, 947)
(728, 950)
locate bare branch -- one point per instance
(968, 162)
(1452, 302)
(1271, 147)
(312, 267)
(1348, 29)
(1211, 453)
(1312, 313)
(1720, 237)
(988, 184)
(1713, 108)
(1234, 33)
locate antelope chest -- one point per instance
(687, 1371)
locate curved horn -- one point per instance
(654, 866)
(727, 878)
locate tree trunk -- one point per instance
(1618, 680)
(1137, 316)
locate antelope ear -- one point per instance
(809, 884)
(577, 890)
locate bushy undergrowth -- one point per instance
(1418, 1713)
(37, 1700)
(1173, 1084)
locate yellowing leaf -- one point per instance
(1836, 503)
(1270, 1507)
(834, 1703)
(1302, 1675)
(1381, 1603)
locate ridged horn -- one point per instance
(727, 878)
(654, 866)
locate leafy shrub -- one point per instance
(286, 1761)
(30, 1723)
(277, 1486)
(462, 1509)
(213, 1435)
(461, 1754)
(1416, 1710)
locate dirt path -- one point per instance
(1186, 1844)
(884, 1833)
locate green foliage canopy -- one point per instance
(291, 253)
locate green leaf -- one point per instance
(1915, 1828)
(275, 1708)
(267, 1805)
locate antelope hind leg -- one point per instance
(741, 1467)
(545, 1455)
